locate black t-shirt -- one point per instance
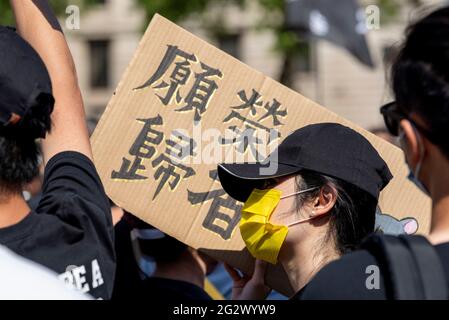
(71, 230)
(351, 278)
(127, 274)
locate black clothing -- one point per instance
(71, 230)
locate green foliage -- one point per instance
(288, 43)
(6, 16)
(272, 4)
(174, 10)
(59, 7)
(177, 10)
(389, 9)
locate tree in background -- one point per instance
(59, 6)
(288, 44)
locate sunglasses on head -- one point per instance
(393, 116)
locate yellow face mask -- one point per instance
(262, 238)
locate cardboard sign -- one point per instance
(182, 96)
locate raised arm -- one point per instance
(37, 24)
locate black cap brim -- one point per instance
(240, 179)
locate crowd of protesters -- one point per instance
(62, 238)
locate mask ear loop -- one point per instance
(302, 191)
(300, 221)
(303, 220)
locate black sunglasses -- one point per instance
(392, 116)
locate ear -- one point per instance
(409, 143)
(324, 203)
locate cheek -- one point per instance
(284, 212)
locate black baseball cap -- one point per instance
(327, 148)
(25, 85)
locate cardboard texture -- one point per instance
(175, 78)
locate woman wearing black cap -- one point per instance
(420, 118)
(318, 203)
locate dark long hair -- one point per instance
(420, 75)
(353, 216)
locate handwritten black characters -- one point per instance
(169, 171)
(180, 63)
(224, 212)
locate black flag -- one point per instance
(341, 22)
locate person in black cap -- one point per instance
(71, 230)
(420, 119)
(318, 203)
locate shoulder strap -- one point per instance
(411, 267)
(429, 266)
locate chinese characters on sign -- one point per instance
(247, 139)
(224, 212)
(184, 82)
(200, 94)
(167, 171)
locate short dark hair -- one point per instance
(420, 74)
(353, 216)
(19, 152)
(163, 250)
(18, 163)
